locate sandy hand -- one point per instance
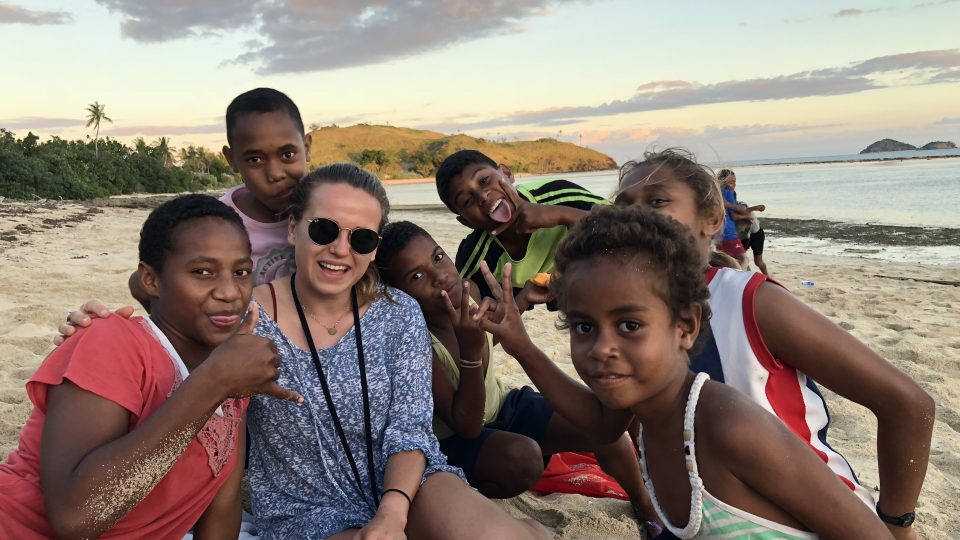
(248, 364)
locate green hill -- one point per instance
(395, 152)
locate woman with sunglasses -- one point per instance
(359, 454)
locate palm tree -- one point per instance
(95, 115)
(163, 151)
(141, 147)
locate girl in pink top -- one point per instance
(137, 424)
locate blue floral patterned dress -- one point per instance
(300, 478)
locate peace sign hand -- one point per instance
(504, 321)
(470, 335)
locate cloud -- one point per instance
(931, 4)
(39, 122)
(917, 68)
(151, 130)
(300, 35)
(853, 12)
(12, 13)
(151, 22)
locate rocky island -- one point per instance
(890, 145)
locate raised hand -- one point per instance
(470, 335)
(527, 216)
(247, 364)
(503, 322)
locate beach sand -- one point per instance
(56, 255)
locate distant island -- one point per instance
(890, 145)
(397, 152)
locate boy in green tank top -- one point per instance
(500, 437)
(517, 225)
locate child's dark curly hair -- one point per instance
(635, 236)
(156, 236)
(394, 238)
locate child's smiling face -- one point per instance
(478, 197)
(624, 342)
(423, 270)
(206, 282)
(271, 154)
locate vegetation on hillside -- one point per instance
(61, 169)
(394, 152)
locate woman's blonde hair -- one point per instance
(369, 286)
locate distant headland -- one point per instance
(890, 145)
(398, 152)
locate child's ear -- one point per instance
(688, 325)
(307, 141)
(713, 223)
(149, 279)
(228, 155)
(465, 222)
(507, 173)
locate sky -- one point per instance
(729, 80)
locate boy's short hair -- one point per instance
(452, 166)
(156, 236)
(261, 100)
(394, 238)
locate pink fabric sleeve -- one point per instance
(108, 359)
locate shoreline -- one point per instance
(854, 238)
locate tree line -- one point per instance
(76, 169)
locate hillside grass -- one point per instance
(396, 152)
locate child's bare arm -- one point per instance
(221, 520)
(462, 407)
(800, 337)
(93, 470)
(571, 399)
(759, 450)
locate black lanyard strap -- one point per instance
(368, 431)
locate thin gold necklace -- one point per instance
(331, 330)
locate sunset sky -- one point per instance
(730, 80)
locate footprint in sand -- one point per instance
(950, 418)
(897, 327)
(846, 326)
(889, 341)
(12, 397)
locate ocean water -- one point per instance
(906, 192)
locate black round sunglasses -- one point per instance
(325, 230)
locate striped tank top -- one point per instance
(710, 517)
